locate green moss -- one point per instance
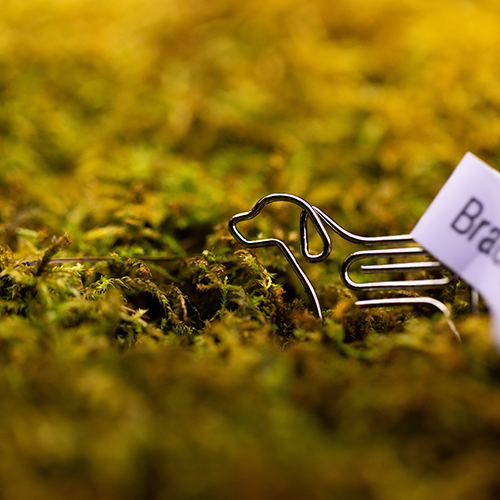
(182, 365)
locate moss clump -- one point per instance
(181, 365)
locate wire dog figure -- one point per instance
(321, 222)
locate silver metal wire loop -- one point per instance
(401, 301)
(356, 238)
(402, 267)
(321, 222)
(316, 220)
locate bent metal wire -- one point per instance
(307, 211)
(320, 219)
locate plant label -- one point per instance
(461, 228)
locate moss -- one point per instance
(182, 365)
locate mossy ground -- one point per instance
(138, 128)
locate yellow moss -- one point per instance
(138, 128)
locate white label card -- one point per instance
(461, 228)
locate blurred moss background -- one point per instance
(139, 128)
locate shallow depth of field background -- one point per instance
(139, 127)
